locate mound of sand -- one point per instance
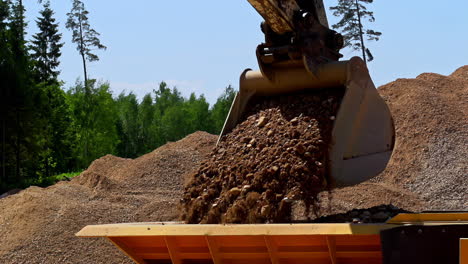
(38, 225)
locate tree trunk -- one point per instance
(85, 73)
(18, 147)
(87, 92)
(3, 178)
(361, 33)
(86, 108)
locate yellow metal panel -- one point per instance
(272, 244)
(464, 251)
(173, 249)
(127, 250)
(253, 249)
(428, 218)
(168, 229)
(331, 242)
(272, 249)
(213, 247)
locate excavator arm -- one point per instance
(300, 52)
(296, 30)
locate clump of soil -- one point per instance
(277, 155)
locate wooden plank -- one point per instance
(331, 243)
(118, 242)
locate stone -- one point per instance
(262, 121)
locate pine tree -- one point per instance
(19, 86)
(83, 35)
(352, 13)
(5, 91)
(85, 39)
(46, 46)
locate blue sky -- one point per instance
(203, 46)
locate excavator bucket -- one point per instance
(363, 134)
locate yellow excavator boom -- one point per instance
(301, 53)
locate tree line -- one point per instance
(47, 130)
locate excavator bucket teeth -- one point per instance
(363, 134)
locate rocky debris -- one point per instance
(276, 156)
(376, 214)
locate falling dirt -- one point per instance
(274, 157)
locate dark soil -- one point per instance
(277, 155)
(376, 214)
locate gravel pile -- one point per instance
(38, 225)
(276, 156)
(430, 157)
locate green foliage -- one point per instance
(128, 125)
(50, 180)
(168, 116)
(56, 137)
(66, 176)
(352, 14)
(146, 118)
(221, 108)
(94, 116)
